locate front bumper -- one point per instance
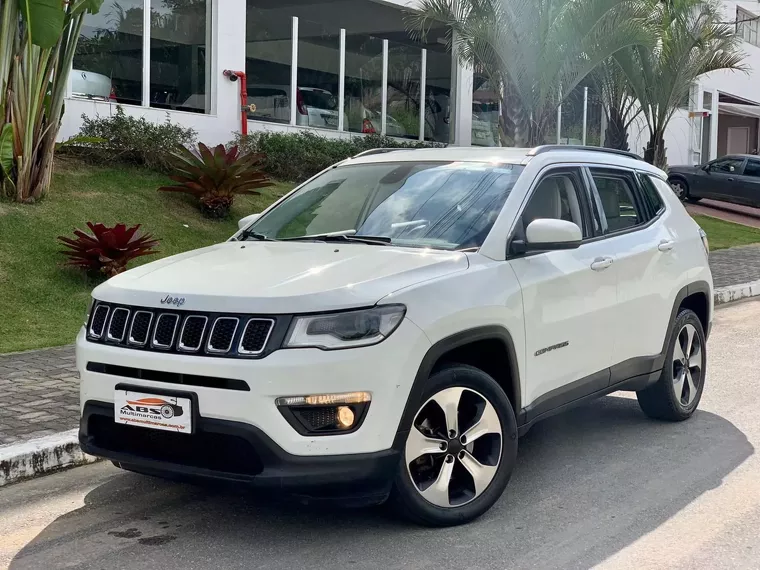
(236, 452)
(386, 370)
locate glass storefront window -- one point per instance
(486, 110)
(404, 72)
(318, 76)
(179, 55)
(438, 96)
(364, 81)
(268, 55)
(108, 59)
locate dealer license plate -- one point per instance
(153, 411)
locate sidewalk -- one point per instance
(39, 390)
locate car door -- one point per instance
(569, 298)
(721, 179)
(646, 262)
(750, 180)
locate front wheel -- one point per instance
(680, 188)
(676, 394)
(460, 449)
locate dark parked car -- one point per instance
(733, 178)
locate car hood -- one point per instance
(279, 277)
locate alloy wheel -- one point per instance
(687, 365)
(679, 189)
(454, 447)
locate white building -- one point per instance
(168, 57)
(353, 68)
(722, 114)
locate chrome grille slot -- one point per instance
(255, 336)
(117, 326)
(196, 333)
(191, 336)
(99, 319)
(222, 334)
(138, 333)
(166, 328)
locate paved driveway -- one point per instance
(599, 486)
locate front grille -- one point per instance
(166, 327)
(191, 333)
(206, 450)
(255, 336)
(118, 325)
(98, 322)
(169, 377)
(141, 322)
(222, 334)
(191, 337)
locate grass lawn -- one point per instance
(722, 235)
(41, 303)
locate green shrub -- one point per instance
(131, 140)
(295, 157)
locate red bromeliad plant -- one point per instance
(214, 177)
(108, 250)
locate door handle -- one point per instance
(666, 245)
(730, 179)
(601, 263)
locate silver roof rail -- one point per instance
(551, 147)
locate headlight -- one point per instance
(345, 330)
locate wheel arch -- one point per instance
(479, 347)
(693, 296)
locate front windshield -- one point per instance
(442, 205)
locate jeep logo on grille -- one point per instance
(176, 301)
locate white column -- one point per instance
(294, 72)
(714, 112)
(460, 122)
(227, 52)
(423, 108)
(585, 113)
(342, 80)
(146, 55)
(384, 102)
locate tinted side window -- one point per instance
(617, 193)
(752, 168)
(649, 186)
(557, 196)
(730, 165)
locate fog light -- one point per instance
(345, 417)
(325, 414)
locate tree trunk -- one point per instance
(616, 134)
(655, 152)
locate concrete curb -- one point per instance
(42, 455)
(723, 295)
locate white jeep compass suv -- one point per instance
(392, 326)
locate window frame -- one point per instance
(642, 175)
(637, 192)
(518, 231)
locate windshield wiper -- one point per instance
(370, 240)
(250, 234)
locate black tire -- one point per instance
(660, 400)
(405, 496)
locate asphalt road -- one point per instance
(601, 486)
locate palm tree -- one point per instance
(691, 41)
(535, 51)
(618, 103)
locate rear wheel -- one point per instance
(460, 449)
(677, 393)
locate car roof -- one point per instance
(503, 155)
